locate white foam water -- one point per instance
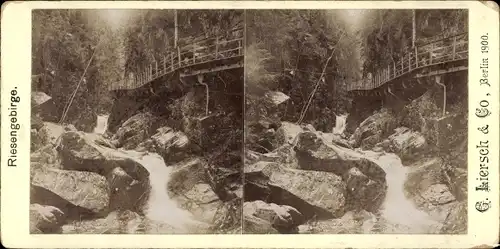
(340, 124)
(399, 212)
(102, 124)
(160, 206)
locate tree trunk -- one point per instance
(176, 32)
(414, 28)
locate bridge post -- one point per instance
(438, 82)
(430, 57)
(156, 64)
(164, 64)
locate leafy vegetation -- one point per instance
(287, 51)
(64, 41)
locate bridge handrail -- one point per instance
(422, 56)
(225, 46)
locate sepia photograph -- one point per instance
(356, 121)
(136, 121)
(250, 124)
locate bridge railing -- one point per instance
(221, 46)
(451, 48)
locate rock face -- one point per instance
(407, 143)
(373, 128)
(171, 145)
(133, 131)
(427, 187)
(311, 193)
(288, 132)
(45, 219)
(456, 221)
(350, 223)
(82, 189)
(366, 183)
(188, 186)
(78, 152)
(283, 218)
(313, 153)
(127, 179)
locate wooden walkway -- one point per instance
(204, 55)
(443, 51)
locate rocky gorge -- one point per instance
(396, 173)
(393, 174)
(132, 181)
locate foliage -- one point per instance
(387, 34)
(151, 33)
(63, 43)
(287, 50)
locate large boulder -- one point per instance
(407, 144)
(126, 192)
(83, 189)
(45, 219)
(283, 218)
(79, 152)
(427, 187)
(287, 133)
(255, 225)
(126, 177)
(133, 131)
(366, 183)
(312, 193)
(261, 135)
(382, 121)
(363, 192)
(188, 185)
(46, 155)
(90, 152)
(172, 145)
(314, 153)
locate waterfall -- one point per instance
(160, 206)
(102, 124)
(340, 124)
(399, 213)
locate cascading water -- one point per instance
(399, 214)
(102, 124)
(160, 206)
(340, 124)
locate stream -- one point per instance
(398, 213)
(160, 206)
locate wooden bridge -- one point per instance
(203, 55)
(436, 56)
